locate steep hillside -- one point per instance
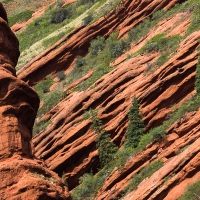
(88, 68)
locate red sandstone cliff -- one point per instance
(69, 139)
(68, 144)
(22, 177)
(127, 15)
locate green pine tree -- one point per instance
(106, 148)
(197, 82)
(135, 127)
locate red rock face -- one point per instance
(122, 19)
(69, 137)
(21, 177)
(18, 102)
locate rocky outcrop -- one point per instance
(127, 15)
(27, 179)
(21, 176)
(180, 154)
(17, 99)
(69, 136)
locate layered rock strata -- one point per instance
(18, 102)
(21, 177)
(180, 154)
(69, 136)
(127, 15)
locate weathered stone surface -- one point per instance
(127, 15)
(27, 179)
(18, 102)
(21, 176)
(69, 138)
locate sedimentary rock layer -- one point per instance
(180, 154)
(21, 177)
(69, 136)
(18, 102)
(127, 15)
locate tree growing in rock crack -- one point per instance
(106, 148)
(135, 127)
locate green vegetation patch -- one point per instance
(40, 126)
(20, 17)
(160, 43)
(197, 81)
(106, 148)
(89, 185)
(54, 18)
(7, 1)
(50, 100)
(139, 31)
(48, 42)
(146, 172)
(166, 46)
(101, 52)
(44, 86)
(135, 127)
(192, 193)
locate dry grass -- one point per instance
(38, 47)
(14, 7)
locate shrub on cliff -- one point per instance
(60, 15)
(80, 62)
(61, 75)
(97, 45)
(135, 127)
(88, 19)
(89, 185)
(43, 86)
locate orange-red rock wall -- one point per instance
(18, 102)
(21, 177)
(127, 15)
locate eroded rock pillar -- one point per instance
(18, 102)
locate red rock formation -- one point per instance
(21, 177)
(69, 138)
(26, 179)
(180, 169)
(127, 15)
(17, 99)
